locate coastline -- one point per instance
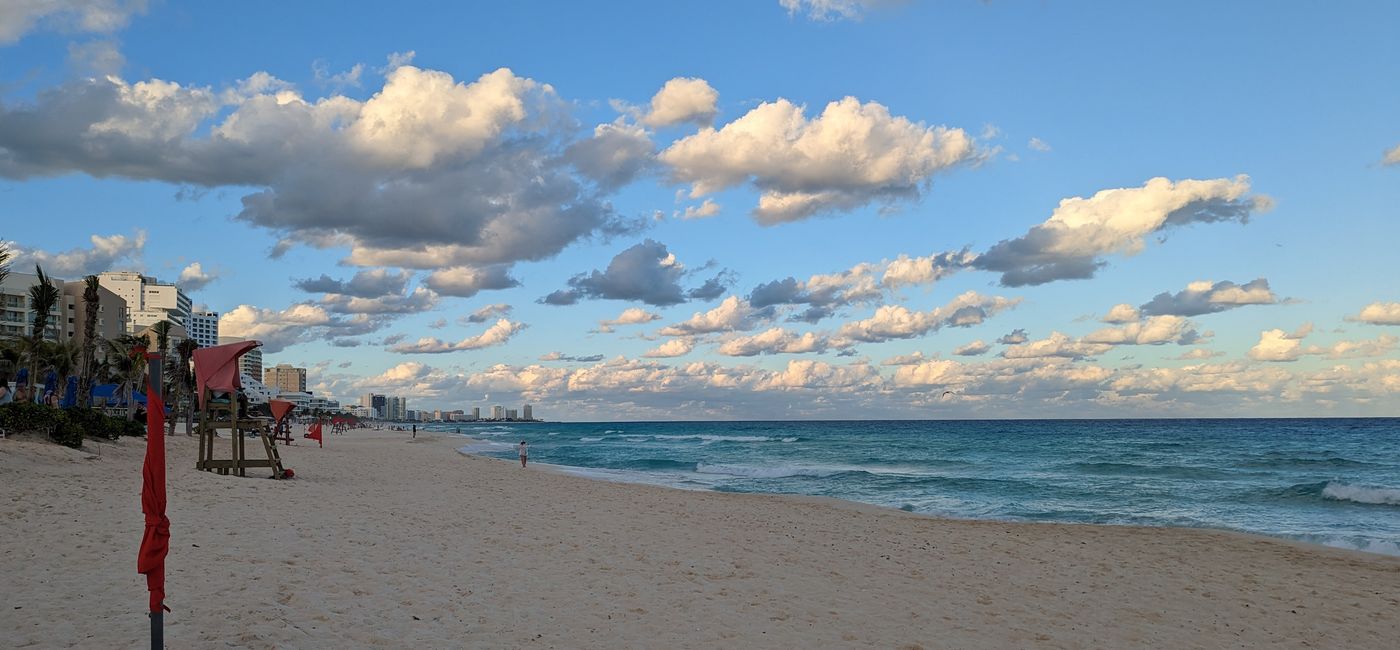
(387, 541)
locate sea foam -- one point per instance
(1361, 494)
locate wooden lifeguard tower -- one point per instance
(281, 422)
(216, 379)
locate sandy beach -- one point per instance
(387, 541)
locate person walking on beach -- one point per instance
(524, 452)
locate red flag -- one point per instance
(315, 434)
(155, 542)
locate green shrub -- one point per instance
(67, 427)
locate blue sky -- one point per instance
(286, 141)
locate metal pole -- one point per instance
(157, 630)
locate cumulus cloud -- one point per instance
(416, 301)
(1206, 297)
(616, 154)
(560, 356)
(673, 348)
(1279, 346)
(707, 208)
(1154, 330)
(1392, 156)
(279, 329)
(1122, 313)
(732, 315)
(1071, 244)
(905, 270)
(1056, 345)
(92, 16)
(646, 272)
(972, 349)
(106, 254)
(904, 359)
(773, 341)
(629, 316)
(1014, 337)
(1037, 144)
(827, 10)
(488, 312)
(682, 100)
(851, 155)
(1379, 313)
(477, 164)
(194, 277)
(467, 281)
(370, 283)
(497, 334)
(1199, 354)
(899, 322)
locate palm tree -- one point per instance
(183, 381)
(88, 360)
(43, 297)
(126, 367)
(4, 260)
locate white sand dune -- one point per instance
(382, 541)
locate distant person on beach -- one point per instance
(524, 452)
(6, 395)
(21, 393)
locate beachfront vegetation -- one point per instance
(65, 427)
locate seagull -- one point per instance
(946, 393)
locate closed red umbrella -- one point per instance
(155, 542)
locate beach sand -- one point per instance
(383, 541)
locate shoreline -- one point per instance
(840, 503)
(387, 541)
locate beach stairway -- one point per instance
(223, 415)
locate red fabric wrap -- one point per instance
(155, 541)
(216, 368)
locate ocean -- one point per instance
(1325, 481)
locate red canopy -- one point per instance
(280, 408)
(155, 542)
(216, 368)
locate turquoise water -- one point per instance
(1326, 481)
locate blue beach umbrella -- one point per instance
(22, 377)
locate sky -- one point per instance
(756, 209)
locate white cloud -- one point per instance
(1071, 243)
(851, 155)
(672, 348)
(629, 316)
(1154, 330)
(478, 161)
(834, 9)
(1207, 297)
(899, 322)
(467, 281)
(194, 277)
(497, 334)
(773, 341)
(905, 270)
(707, 208)
(279, 329)
(732, 315)
(1056, 345)
(1279, 346)
(1038, 145)
(1122, 313)
(488, 312)
(1392, 156)
(975, 348)
(1379, 313)
(904, 359)
(107, 253)
(18, 17)
(683, 100)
